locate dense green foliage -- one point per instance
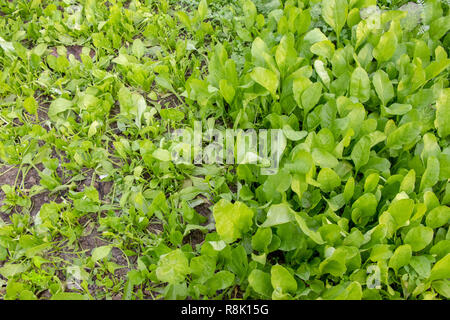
(90, 91)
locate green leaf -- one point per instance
(30, 105)
(443, 114)
(220, 280)
(266, 78)
(260, 282)
(383, 86)
(278, 214)
(398, 109)
(404, 135)
(323, 49)
(184, 19)
(334, 264)
(387, 45)
(232, 219)
(431, 175)
(349, 189)
(366, 204)
(419, 237)
(334, 12)
(100, 253)
(138, 48)
(401, 211)
(226, 90)
(162, 155)
(293, 135)
(286, 55)
(439, 27)
(173, 267)
(442, 287)
(262, 239)
(422, 265)
(282, 279)
(311, 96)
(401, 257)
(438, 217)
(360, 85)
(380, 252)
(203, 9)
(314, 235)
(441, 269)
(172, 114)
(202, 267)
(324, 158)
(57, 106)
(361, 152)
(250, 13)
(328, 179)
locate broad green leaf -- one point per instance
(314, 235)
(202, 267)
(262, 239)
(398, 109)
(383, 86)
(323, 49)
(30, 105)
(422, 265)
(401, 211)
(311, 96)
(232, 219)
(408, 182)
(250, 13)
(349, 189)
(57, 106)
(365, 205)
(441, 269)
(261, 282)
(334, 12)
(401, 257)
(100, 253)
(328, 179)
(387, 45)
(360, 85)
(419, 237)
(286, 55)
(278, 214)
(361, 152)
(138, 48)
(431, 175)
(334, 264)
(404, 135)
(442, 287)
(202, 9)
(443, 114)
(220, 281)
(172, 267)
(293, 135)
(439, 27)
(266, 78)
(380, 252)
(438, 217)
(226, 90)
(282, 279)
(322, 72)
(324, 158)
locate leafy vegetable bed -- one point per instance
(93, 207)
